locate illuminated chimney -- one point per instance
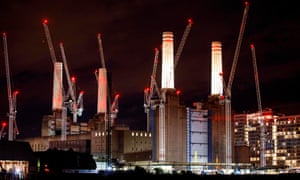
(102, 91)
(57, 98)
(167, 60)
(216, 68)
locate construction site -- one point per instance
(205, 137)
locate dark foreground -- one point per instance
(137, 175)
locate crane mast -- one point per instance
(49, 41)
(153, 75)
(149, 92)
(71, 83)
(182, 42)
(58, 90)
(114, 109)
(3, 125)
(101, 50)
(229, 85)
(75, 105)
(12, 124)
(260, 115)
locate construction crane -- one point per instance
(101, 50)
(3, 125)
(12, 124)
(148, 92)
(114, 109)
(58, 90)
(49, 41)
(76, 106)
(182, 42)
(260, 113)
(227, 92)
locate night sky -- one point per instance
(131, 29)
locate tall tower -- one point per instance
(169, 141)
(216, 68)
(216, 105)
(167, 80)
(54, 124)
(57, 97)
(102, 91)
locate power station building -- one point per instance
(179, 136)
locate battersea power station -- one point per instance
(207, 135)
(177, 137)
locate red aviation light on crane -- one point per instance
(4, 124)
(147, 89)
(190, 21)
(73, 79)
(246, 3)
(16, 92)
(45, 21)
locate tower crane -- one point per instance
(114, 109)
(148, 93)
(260, 115)
(101, 50)
(76, 105)
(12, 124)
(58, 90)
(3, 125)
(108, 116)
(182, 42)
(227, 92)
(49, 41)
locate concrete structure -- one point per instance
(102, 91)
(170, 118)
(57, 97)
(215, 105)
(218, 128)
(167, 75)
(216, 69)
(174, 129)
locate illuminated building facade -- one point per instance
(199, 142)
(282, 137)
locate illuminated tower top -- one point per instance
(216, 68)
(167, 80)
